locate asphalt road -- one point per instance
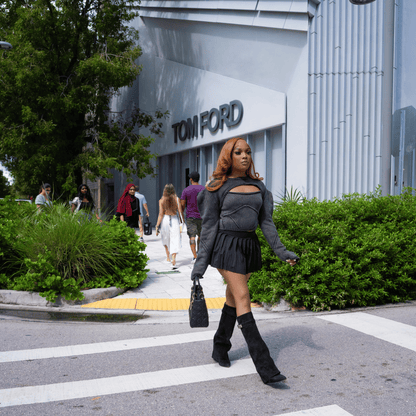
(358, 363)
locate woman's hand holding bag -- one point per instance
(198, 312)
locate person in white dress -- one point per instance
(168, 223)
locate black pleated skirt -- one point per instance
(236, 251)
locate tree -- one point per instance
(4, 185)
(69, 58)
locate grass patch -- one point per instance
(57, 253)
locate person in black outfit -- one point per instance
(84, 201)
(233, 204)
(128, 208)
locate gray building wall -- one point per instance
(350, 91)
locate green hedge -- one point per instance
(10, 212)
(356, 251)
(57, 253)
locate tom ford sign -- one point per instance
(229, 114)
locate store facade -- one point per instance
(308, 83)
(224, 70)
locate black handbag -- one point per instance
(198, 312)
(147, 226)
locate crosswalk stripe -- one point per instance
(123, 384)
(333, 410)
(381, 328)
(103, 347)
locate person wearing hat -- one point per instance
(43, 199)
(193, 219)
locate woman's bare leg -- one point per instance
(173, 259)
(167, 253)
(229, 298)
(237, 294)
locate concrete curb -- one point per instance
(21, 298)
(163, 317)
(72, 309)
(71, 312)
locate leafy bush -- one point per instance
(11, 213)
(355, 251)
(7, 233)
(59, 253)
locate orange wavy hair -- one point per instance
(225, 165)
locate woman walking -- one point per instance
(84, 201)
(232, 206)
(128, 208)
(168, 222)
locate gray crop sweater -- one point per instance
(225, 210)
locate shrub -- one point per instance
(355, 251)
(7, 234)
(60, 253)
(11, 214)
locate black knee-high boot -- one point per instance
(259, 352)
(222, 343)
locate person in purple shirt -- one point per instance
(193, 219)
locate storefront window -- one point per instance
(403, 159)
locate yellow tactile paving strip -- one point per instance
(152, 304)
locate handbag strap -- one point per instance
(197, 290)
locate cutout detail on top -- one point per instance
(245, 189)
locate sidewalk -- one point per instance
(166, 289)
